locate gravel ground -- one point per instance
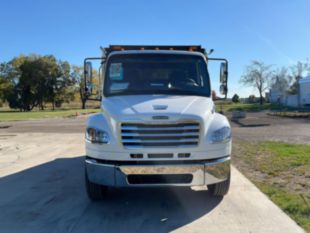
(256, 126)
(262, 127)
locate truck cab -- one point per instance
(158, 125)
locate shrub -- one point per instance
(235, 98)
(252, 99)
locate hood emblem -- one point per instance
(160, 107)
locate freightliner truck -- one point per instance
(157, 125)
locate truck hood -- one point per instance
(145, 107)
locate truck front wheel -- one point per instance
(95, 192)
(219, 189)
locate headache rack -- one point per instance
(193, 48)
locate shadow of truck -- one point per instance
(51, 198)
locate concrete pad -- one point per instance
(42, 190)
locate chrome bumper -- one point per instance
(201, 173)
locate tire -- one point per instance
(95, 192)
(219, 189)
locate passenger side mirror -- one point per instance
(223, 78)
(223, 73)
(88, 79)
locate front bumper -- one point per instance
(189, 173)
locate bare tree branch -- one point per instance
(257, 75)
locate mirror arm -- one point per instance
(218, 59)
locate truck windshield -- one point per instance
(171, 74)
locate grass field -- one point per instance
(226, 106)
(73, 108)
(281, 171)
(33, 115)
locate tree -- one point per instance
(36, 80)
(11, 72)
(6, 85)
(77, 75)
(298, 71)
(257, 75)
(235, 98)
(31, 82)
(252, 99)
(281, 80)
(63, 87)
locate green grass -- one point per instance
(33, 115)
(282, 157)
(228, 106)
(295, 205)
(281, 171)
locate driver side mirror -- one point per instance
(88, 79)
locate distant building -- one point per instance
(304, 90)
(277, 94)
(302, 98)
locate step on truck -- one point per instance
(158, 125)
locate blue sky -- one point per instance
(276, 32)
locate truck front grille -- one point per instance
(136, 135)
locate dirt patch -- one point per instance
(262, 127)
(5, 126)
(291, 114)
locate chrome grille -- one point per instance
(136, 135)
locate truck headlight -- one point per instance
(97, 136)
(221, 135)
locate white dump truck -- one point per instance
(157, 125)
